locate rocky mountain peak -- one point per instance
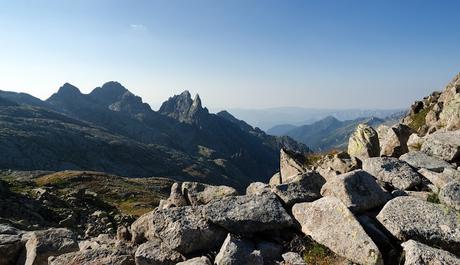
(68, 89)
(66, 92)
(109, 93)
(183, 108)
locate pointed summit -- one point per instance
(183, 108)
(65, 92)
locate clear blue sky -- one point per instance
(235, 53)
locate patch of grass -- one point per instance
(419, 119)
(433, 198)
(317, 254)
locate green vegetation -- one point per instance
(433, 198)
(418, 120)
(317, 254)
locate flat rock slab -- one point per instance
(358, 190)
(418, 253)
(444, 145)
(93, 257)
(433, 224)
(393, 171)
(421, 160)
(329, 222)
(248, 214)
(450, 195)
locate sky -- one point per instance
(235, 53)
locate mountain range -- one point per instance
(298, 116)
(329, 133)
(114, 131)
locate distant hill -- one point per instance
(268, 118)
(328, 133)
(114, 131)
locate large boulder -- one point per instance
(305, 188)
(364, 142)
(329, 222)
(248, 214)
(183, 229)
(444, 145)
(410, 218)
(418, 253)
(11, 244)
(47, 243)
(393, 140)
(392, 171)
(237, 251)
(358, 190)
(155, 253)
(199, 193)
(450, 195)
(93, 257)
(142, 227)
(291, 165)
(419, 160)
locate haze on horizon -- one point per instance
(235, 54)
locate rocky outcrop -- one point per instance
(183, 108)
(329, 222)
(437, 111)
(291, 165)
(358, 190)
(364, 142)
(248, 214)
(47, 243)
(393, 172)
(450, 195)
(410, 218)
(419, 160)
(237, 251)
(418, 253)
(393, 140)
(444, 145)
